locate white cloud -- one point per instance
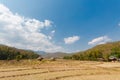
(51, 35)
(99, 40)
(25, 33)
(53, 31)
(118, 24)
(47, 23)
(71, 40)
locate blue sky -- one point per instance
(74, 25)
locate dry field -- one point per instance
(59, 70)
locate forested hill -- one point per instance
(10, 53)
(103, 51)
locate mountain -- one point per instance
(10, 53)
(103, 51)
(50, 54)
(56, 55)
(40, 52)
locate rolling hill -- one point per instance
(103, 51)
(10, 53)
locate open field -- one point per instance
(59, 70)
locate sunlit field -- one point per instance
(59, 70)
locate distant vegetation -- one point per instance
(99, 52)
(10, 53)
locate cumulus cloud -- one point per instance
(71, 40)
(99, 40)
(25, 33)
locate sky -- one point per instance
(59, 25)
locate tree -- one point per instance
(18, 57)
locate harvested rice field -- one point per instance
(59, 70)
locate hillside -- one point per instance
(10, 53)
(103, 51)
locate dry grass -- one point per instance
(59, 70)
